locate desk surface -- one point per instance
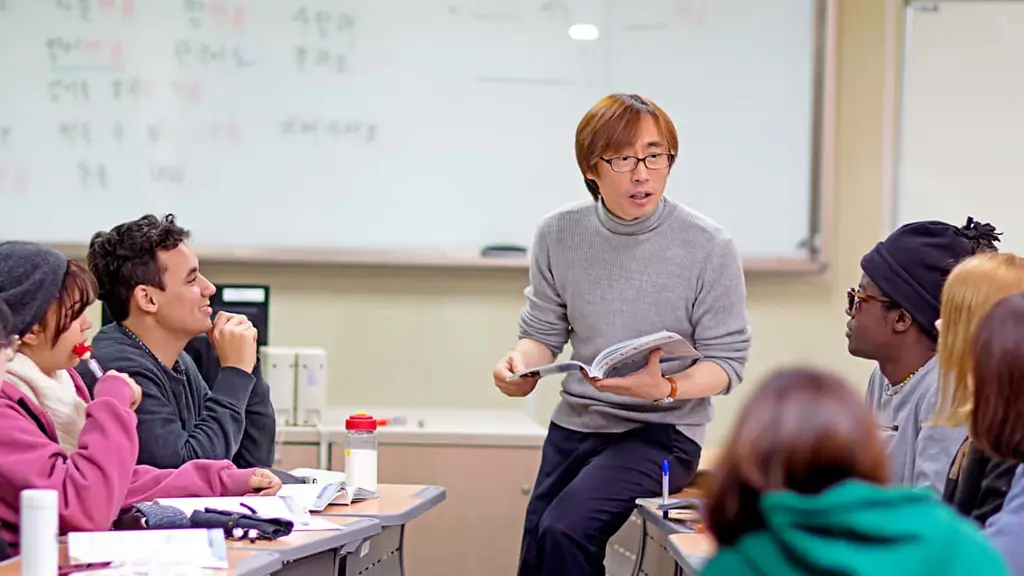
(304, 544)
(243, 563)
(691, 551)
(398, 504)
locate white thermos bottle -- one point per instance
(38, 532)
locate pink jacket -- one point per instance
(100, 479)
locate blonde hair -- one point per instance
(974, 286)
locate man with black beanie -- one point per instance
(892, 321)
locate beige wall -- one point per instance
(429, 337)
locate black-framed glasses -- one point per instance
(656, 161)
(855, 296)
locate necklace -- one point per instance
(891, 390)
(177, 368)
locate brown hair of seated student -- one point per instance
(997, 421)
(802, 430)
(77, 293)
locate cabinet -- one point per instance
(487, 462)
(477, 530)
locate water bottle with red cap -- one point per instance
(361, 452)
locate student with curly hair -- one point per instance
(150, 282)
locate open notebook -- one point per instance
(335, 491)
(265, 506)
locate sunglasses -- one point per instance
(854, 298)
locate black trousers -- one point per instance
(586, 490)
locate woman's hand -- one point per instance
(264, 483)
(646, 384)
(511, 364)
(136, 390)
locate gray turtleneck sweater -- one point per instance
(596, 280)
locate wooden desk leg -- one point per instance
(381, 555)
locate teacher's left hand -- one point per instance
(646, 384)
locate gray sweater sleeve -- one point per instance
(1004, 529)
(164, 443)
(935, 447)
(721, 331)
(544, 317)
(257, 446)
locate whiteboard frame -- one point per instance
(823, 188)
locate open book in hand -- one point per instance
(627, 357)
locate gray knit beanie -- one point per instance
(31, 276)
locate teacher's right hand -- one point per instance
(511, 364)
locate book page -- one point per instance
(319, 475)
(265, 506)
(554, 368)
(632, 355)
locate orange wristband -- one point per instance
(674, 387)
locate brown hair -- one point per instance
(77, 293)
(128, 256)
(802, 430)
(996, 423)
(613, 124)
(972, 289)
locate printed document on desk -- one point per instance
(178, 548)
(265, 506)
(627, 357)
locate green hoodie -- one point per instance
(856, 528)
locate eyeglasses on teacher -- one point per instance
(656, 161)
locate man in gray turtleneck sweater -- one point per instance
(622, 265)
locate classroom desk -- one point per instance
(397, 505)
(243, 563)
(654, 557)
(691, 551)
(320, 553)
(641, 547)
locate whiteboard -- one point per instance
(962, 116)
(402, 125)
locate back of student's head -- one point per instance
(997, 418)
(127, 256)
(802, 430)
(973, 288)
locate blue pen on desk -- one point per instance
(664, 486)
